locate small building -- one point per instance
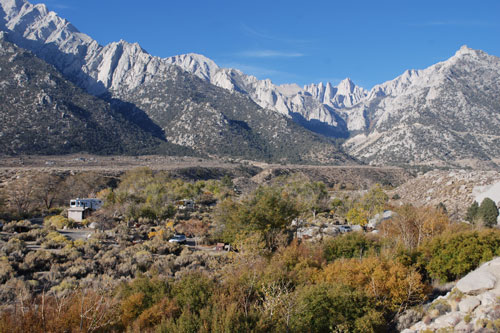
(78, 214)
(80, 209)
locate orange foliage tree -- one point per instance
(411, 226)
(394, 285)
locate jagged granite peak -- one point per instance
(118, 65)
(194, 63)
(345, 94)
(58, 117)
(187, 110)
(444, 114)
(122, 66)
(289, 100)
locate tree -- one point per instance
(48, 190)
(227, 182)
(195, 228)
(452, 255)
(411, 226)
(269, 211)
(472, 212)
(20, 195)
(374, 201)
(488, 212)
(311, 197)
(357, 215)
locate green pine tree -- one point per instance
(472, 212)
(488, 212)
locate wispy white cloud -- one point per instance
(264, 35)
(60, 6)
(269, 54)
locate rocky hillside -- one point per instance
(43, 113)
(456, 189)
(448, 113)
(472, 306)
(313, 106)
(213, 120)
(189, 111)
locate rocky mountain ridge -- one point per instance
(43, 113)
(187, 110)
(314, 106)
(447, 114)
(122, 66)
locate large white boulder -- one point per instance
(488, 298)
(468, 304)
(477, 281)
(447, 320)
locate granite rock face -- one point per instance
(474, 304)
(477, 281)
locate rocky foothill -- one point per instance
(473, 305)
(455, 189)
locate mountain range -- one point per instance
(447, 114)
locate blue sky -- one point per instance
(296, 41)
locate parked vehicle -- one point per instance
(91, 203)
(180, 239)
(345, 228)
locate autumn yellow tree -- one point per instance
(394, 285)
(411, 226)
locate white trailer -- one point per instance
(90, 203)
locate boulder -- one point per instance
(476, 281)
(408, 318)
(307, 232)
(448, 320)
(93, 225)
(468, 304)
(488, 298)
(464, 327)
(330, 231)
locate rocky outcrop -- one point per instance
(311, 106)
(442, 115)
(456, 189)
(473, 305)
(187, 111)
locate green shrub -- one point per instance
(451, 256)
(58, 221)
(351, 245)
(55, 240)
(327, 308)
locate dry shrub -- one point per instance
(394, 285)
(411, 226)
